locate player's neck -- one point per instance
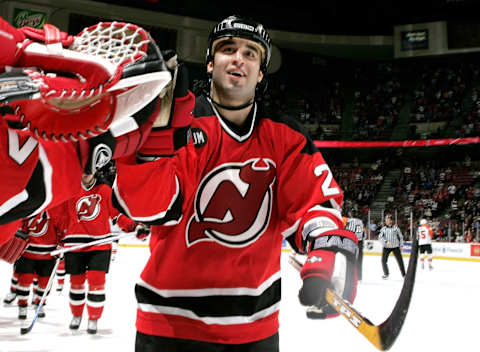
(233, 109)
(237, 117)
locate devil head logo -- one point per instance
(233, 204)
(38, 225)
(88, 207)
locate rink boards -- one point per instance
(441, 250)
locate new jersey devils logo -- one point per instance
(233, 204)
(88, 207)
(38, 225)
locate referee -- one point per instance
(392, 240)
(355, 225)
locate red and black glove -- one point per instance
(171, 129)
(330, 264)
(11, 250)
(142, 231)
(169, 115)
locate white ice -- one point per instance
(442, 316)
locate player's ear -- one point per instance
(210, 67)
(260, 76)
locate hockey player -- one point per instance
(87, 218)
(224, 202)
(43, 237)
(356, 226)
(425, 235)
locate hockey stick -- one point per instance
(382, 336)
(26, 330)
(105, 240)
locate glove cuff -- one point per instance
(13, 249)
(342, 241)
(319, 263)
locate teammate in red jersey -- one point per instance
(221, 204)
(44, 234)
(87, 218)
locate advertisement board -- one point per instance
(441, 250)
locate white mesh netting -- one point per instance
(116, 42)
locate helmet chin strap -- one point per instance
(238, 107)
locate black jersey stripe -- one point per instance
(37, 193)
(216, 305)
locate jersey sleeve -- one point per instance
(154, 192)
(36, 174)
(309, 198)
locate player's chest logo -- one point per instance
(38, 225)
(88, 207)
(233, 204)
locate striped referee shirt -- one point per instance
(391, 234)
(356, 226)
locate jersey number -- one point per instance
(326, 189)
(20, 153)
(423, 233)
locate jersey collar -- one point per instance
(239, 133)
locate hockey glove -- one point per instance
(330, 264)
(65, 87)
(14, 248)
(171, 129)
(142, 231)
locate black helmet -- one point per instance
(235, 26)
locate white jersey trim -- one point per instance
(210, 320)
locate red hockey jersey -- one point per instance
(225, 202)
(44, 234)
(86, 218)
(35, 175)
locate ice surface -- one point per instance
(442, 316)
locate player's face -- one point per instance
(235, 69)
(388, 221)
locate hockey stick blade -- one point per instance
(382, 336)
(26, 330)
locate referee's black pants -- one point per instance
(398, 255)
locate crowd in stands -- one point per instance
(360, 184)
(378, 98)
(447, 195)
(470, 126)
(440, 92)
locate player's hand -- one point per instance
(142, 231)
(330, 264)
(171, 128)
